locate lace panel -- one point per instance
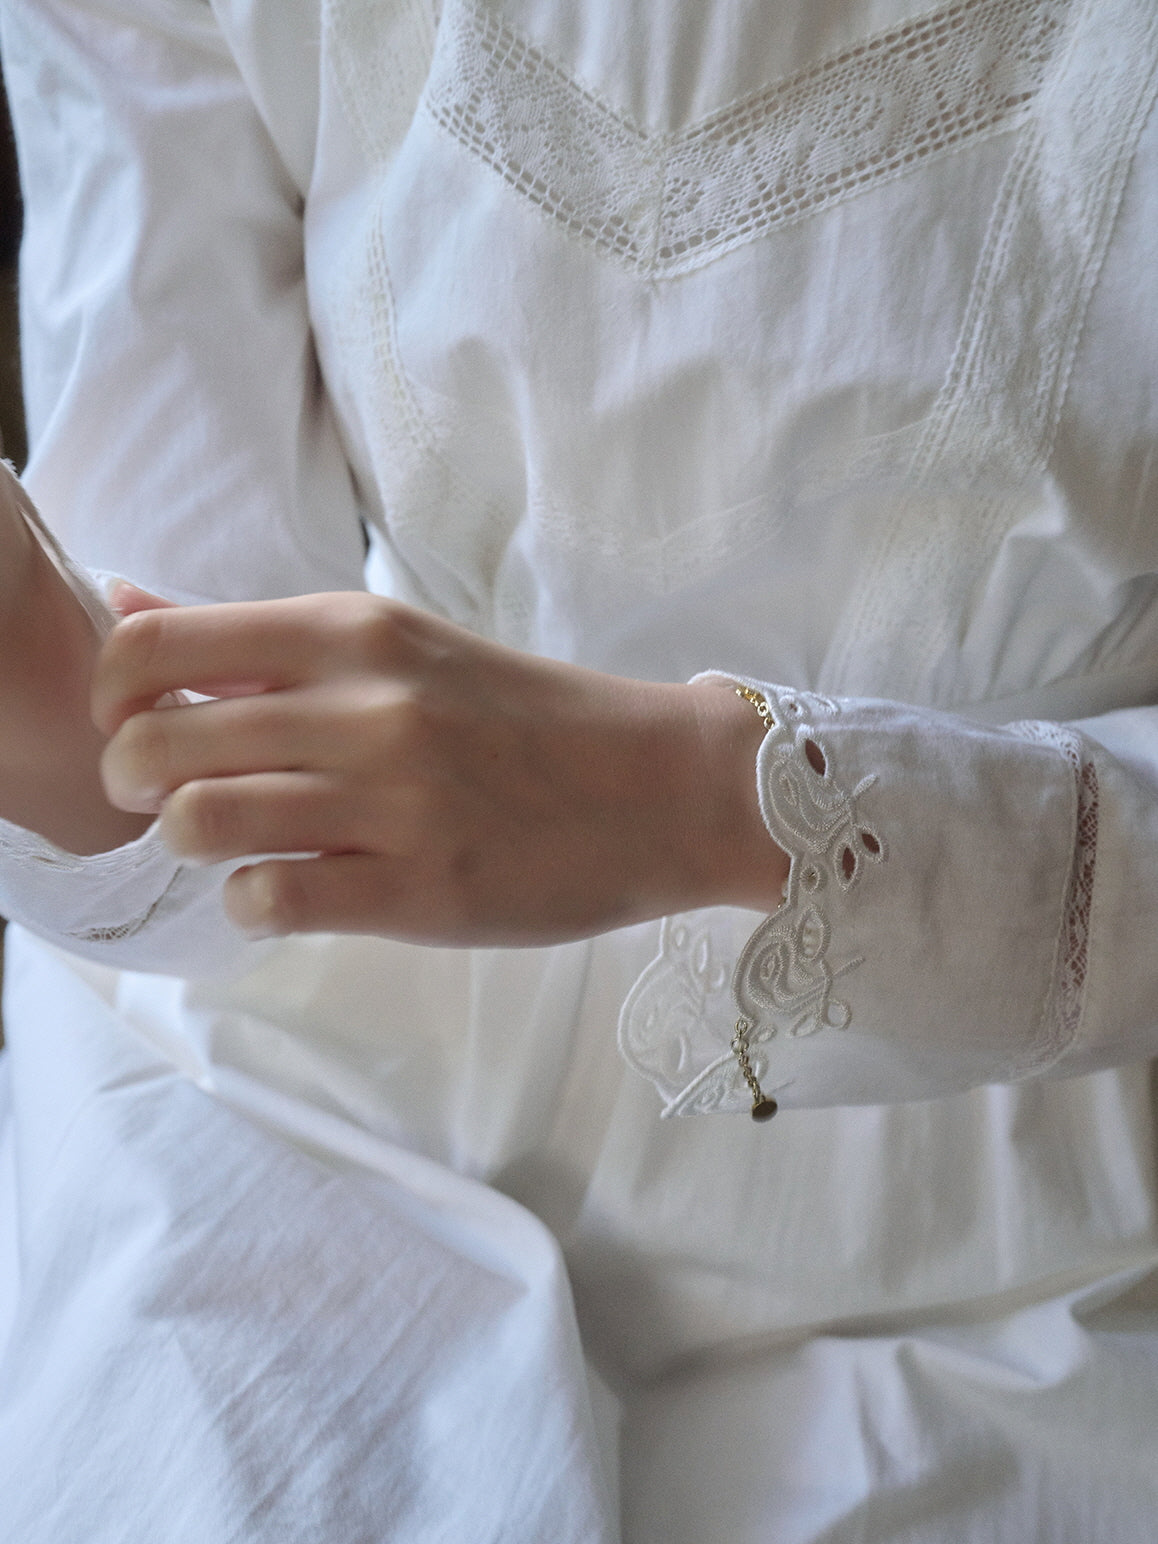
(1064, 1007)
(665, 203)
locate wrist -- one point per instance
(743, 866)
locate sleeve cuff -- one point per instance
(135, 906)
(931, 935)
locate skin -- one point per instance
(453, 790)
(449, 789)
(50, 750)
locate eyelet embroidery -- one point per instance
(784, 978)
(666, 203)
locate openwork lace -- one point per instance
(1064, 1006)
(664, 203)
(785, 979)
(117, 932)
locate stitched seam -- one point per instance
(123, 930)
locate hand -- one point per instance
(49, 749)
(451, 790)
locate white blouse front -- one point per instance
(810, 347)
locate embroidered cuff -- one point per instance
(932, 932)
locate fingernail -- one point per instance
(109, 586)
(243, 905)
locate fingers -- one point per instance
(232, 817)
(125, 599)
(235, 817)
(351, 893)
(233, 649)
(354, 725)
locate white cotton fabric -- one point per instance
(364, 1351)
(493, 281)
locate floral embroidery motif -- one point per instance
(784, 979)
(683, 988)
(811, 815)
(666, 203)
(790, 978)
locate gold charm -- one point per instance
(763, 1108)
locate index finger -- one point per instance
(221, 650)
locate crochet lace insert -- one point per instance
(1064, 1007)
(665, 203)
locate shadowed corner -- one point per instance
(12, 436)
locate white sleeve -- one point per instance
(136, 906)
(180, 434)
(966, 905)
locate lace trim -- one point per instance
(665, 203)
(379, 57)
(122, 930)
(784, 979)
(962, 471)
(1063, 1009)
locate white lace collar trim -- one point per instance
(666, 203)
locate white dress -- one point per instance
(810, 344)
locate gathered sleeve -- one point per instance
(966, 904)
(179, 431)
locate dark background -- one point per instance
(11, 411)
(11, 408)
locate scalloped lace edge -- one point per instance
(785, 977)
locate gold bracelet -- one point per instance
(763, 1108)
(758, 701)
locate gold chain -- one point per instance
(758, 701)
(762, 1108)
